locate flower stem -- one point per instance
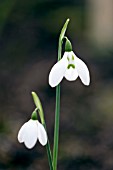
(48, 149)
(57, 109)
(56, 129)
(41, 113)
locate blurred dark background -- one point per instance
(29, 32)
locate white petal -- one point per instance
(28, 134)
(57, 72)
(71, 74)
(31, 134)
(42, 135)
(82, 70)
(21, 133)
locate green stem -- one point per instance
(57, 109)
(56, 129)
(48, 149)
(41, 113)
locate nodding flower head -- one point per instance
(70, 67)
(30, 132)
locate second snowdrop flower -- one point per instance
(32, 131)
(70, 67)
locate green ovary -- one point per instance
(71, 65)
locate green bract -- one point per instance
(34, 115)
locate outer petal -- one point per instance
(82, 70)
(21, 133)
(58, 70)
(29, 134)
(71, 74)
(42, 135)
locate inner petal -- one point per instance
(71, 62)
(71, 74)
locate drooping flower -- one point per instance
(70, 67)
(30, 132)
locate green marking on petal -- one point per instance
(68, 58)
(72, 57)
(71, 65)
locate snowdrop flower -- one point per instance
(32, 131)
(70, 67)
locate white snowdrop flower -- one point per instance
(70, 67)
(32, 131)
